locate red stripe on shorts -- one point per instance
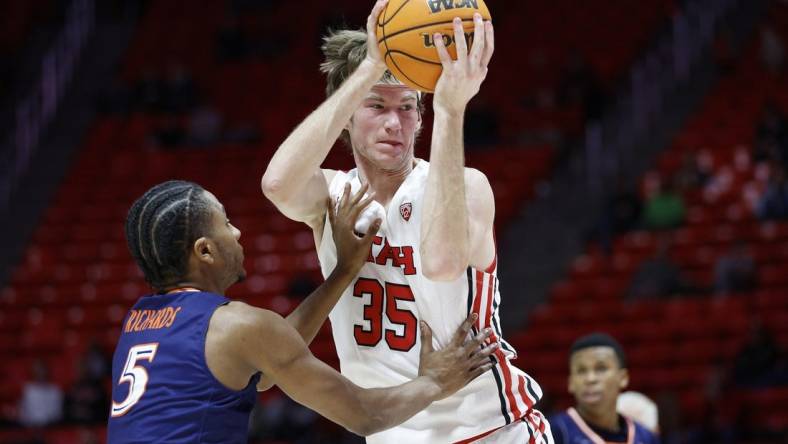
(477, 300)
(507, 377)
(490, 288)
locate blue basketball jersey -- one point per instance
(570, 428)
(162, 390)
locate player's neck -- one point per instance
(606, 419)
(384, 183)
(192, 284)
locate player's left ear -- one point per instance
(204, 250)
(623, 378)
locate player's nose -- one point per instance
(392, 122)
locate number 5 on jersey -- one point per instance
(135, 375)
(373, 313)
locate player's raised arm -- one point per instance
(293, 180)
(449, 231)
(261, 340)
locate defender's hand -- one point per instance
(352, 251)
(462, 78)
(373, 52)
(460, 362)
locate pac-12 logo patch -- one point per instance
(405, 210)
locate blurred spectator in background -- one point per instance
(774, 202)
(243, 132)
(96, 361)
(481, 124)
(301, 286)
(665, 208)
(771, 135)
(691, 175)
(168, 133)
(658, 276)
(620, 215)
(581, 86)
(735, 271)
(639, 407)
(42, 401)
(148, 92)
(86, 400)
(759, 362)
(278, 418)
(598, 372)
(772, 50)
(179, 90)
(205, 126)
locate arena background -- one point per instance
(637, 150)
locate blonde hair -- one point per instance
(344, 50)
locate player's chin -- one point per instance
(392, 160)
(591, 399)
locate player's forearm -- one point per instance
(444, 229)
(389, 407)
(305, 149)
(362, 411)
(310, 314)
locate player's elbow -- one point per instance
(273, 188)
(443, 268)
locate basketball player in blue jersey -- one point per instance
(597, 374)
(189, 361)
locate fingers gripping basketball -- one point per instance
(405, 31)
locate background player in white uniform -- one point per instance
(435, 256)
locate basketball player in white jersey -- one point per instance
(434, 258)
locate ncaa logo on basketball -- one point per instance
(437, 6)
(405, 211)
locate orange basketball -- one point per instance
(405, 36)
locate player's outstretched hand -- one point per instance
(352, 251)
(462, 78)
(373, 52)
(458, 363)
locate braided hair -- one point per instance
(161, 228)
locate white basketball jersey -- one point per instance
(375, 325)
